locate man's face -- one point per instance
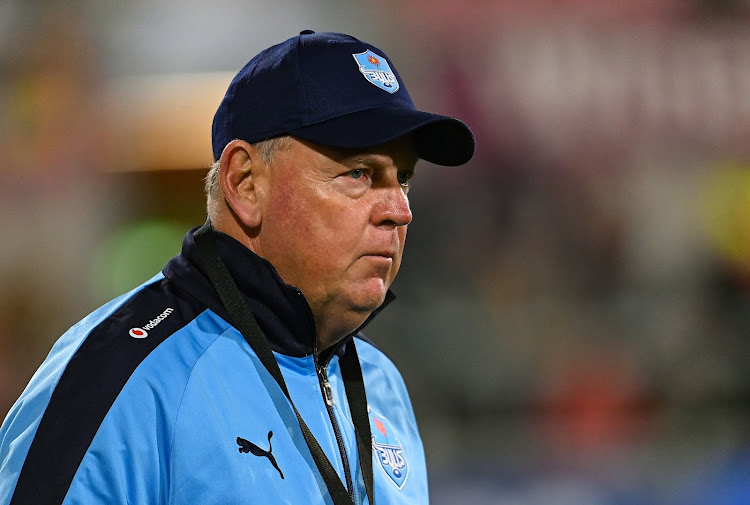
(334, 225)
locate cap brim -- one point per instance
(438, 139)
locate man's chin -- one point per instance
(370, 296)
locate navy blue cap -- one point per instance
(335, 90)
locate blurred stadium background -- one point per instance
(574, 304)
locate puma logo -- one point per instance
(247, 446)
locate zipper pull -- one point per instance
(327, 390)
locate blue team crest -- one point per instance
(387, 449)
(377, 71)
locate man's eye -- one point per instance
(404, 178)
(357, 173)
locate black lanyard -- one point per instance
(243, 319)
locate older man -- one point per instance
(239, 373)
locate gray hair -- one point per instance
(266, 149)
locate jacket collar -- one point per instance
(280, 309)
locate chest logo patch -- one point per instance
(247, 446)
(388, 450)
(143, 332)
(377, 71)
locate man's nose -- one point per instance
(392, 207)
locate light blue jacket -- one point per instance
(156, 399)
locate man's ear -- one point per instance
(239, 172)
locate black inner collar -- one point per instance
(281, 310)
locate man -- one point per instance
(239, 373)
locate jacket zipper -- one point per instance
(327, 391)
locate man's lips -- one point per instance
(381, 254)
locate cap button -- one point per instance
(306, 32)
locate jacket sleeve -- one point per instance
(47, 462)
(93, 425)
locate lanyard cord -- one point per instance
(243, 319)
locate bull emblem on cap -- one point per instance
(377, 71)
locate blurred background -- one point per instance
(574, 304)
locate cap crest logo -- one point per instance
(387, 449)
(377, 71)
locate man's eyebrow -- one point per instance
(375, 160)
(366, 159)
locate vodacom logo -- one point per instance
(143, 332)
